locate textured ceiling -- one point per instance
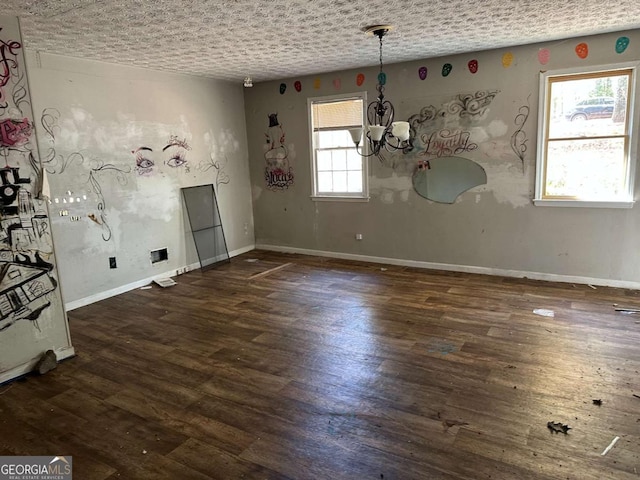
(271, 39)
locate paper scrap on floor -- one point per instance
(544, 313)
(165, 282)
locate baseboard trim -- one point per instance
(145, 281)
(11, 374)
(550, 277)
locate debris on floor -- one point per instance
(447, 424)
(251, 260)
(47, 362)
(591, 286)
(558, 427)
(637, 396)
(544, 313)
(627, 310)
(146, 287)
(613, 442)
(165, 282)
(597, 401)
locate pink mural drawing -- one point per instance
(278, 174)
(14, 133)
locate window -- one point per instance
(587, 137)
(338, 170)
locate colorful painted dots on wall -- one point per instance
(507, 59)
(316, 83)
(422, 73)
(446, 69)
(360, 79)
(582, 50)
(621, 44)
(473, 66)
(544, 55)
(283, 88)
(298, 86)
(337, 83)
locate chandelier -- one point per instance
(381, 132)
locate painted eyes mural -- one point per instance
(144, 165)
(174, 152)
(177, 152)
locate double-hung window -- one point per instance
(587, 137)
(338, 170)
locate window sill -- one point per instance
(583, 203)
(336, 198)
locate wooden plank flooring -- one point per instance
(295, 367)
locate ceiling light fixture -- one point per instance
(248, 82)
(381, 131)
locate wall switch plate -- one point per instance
(112, 262)
(358, 236)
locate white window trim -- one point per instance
(626, 202)
(341, 197)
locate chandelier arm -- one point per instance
(367, 155)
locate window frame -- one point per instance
(631, 132)
(339, 196)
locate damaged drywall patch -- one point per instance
(155, 197)
(386, 188)
(507, 184)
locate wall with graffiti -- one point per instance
(32, 318)
(117, 144)
(461, 193)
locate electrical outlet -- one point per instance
(358, 236)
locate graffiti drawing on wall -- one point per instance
(26, 278)
(219, 167)
(11, 77)
(222, 146)
(439, 135)
(174, 153)
(56, 164)
(446, 143)
(519, 138)
(278, 173)
(24, 241)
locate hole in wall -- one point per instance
(159, 255)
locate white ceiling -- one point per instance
(272, 39)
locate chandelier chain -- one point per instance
(381, 53)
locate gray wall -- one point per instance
(491, 228)
(91, 116)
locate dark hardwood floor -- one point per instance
(294, 367)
